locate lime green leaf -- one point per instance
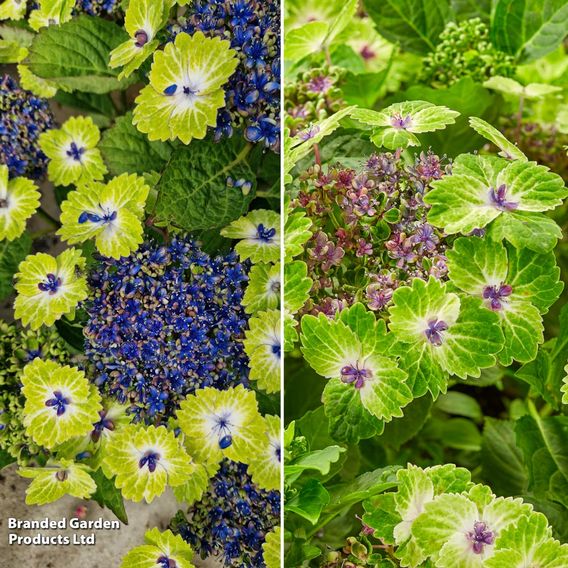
(398, 123)
(68, 55)
(436, 331)
(185, 89)
(51, 483)
(145, 460)
(49, 287)
(51, 13)
(192, 490)
(297, 285)
(144, 18)
(12, 10)
(271, 548)
(12, 52)
(564, 388)
(265, 466)
(60, 402)
(107, 495)
(509, 86)
(221, 424)
(508, 149)
(526, 230)
(11, 254)
(37, 85)
(296, 233)
(305, 40)
(159, 548)
(193, 192)
(263, 345)
(263, 288)
(111, 214)
(318, 460)
(259, 235)
(72, 151)
(20, 199)
(126, 150)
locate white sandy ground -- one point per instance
(110, 545)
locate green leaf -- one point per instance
(310, 501)
(11, 254)
(462, 434)
(297, 285)
(296, 233)
(193, 192)
(532, 91)
(305, 40)
(318, 460)
(460, 404)
(5, 459)
(543, 443)
(127, 150)
(508, 149)
(528, 29)
(107, 495)
(501, 459)
(401, 430)
(363, 89)
(76, 54)
(414, 24)
(349, 421)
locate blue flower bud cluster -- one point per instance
(163, 322)
(96, 7)
(252, 95)
(232, 518)
(23, 117)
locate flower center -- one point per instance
(150, 459)
(496, 295)
(480, 536)
(61, 475)
(277, 350)
(434, 331)
(106, 217)
(352, 374)
(51, 284)
(75, 152)
(223, 429)
(497, 197)
(264, 234)
(400, 122)
(58, 402)
(3, 202)
(165, 562)
(101, 425)
(141, 38)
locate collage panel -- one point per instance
(425, 161)
(140, 283)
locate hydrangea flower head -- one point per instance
(232, 519)
(110, 213)
(23, 117)
(53, 482)
(51, 13)
(252, 95)
(19, 200)
(161, 550)
(74, 157)
(259, 235)
(60, 402)
(186, 88)
(143, 20)
(221, 424)
(17, 348)
(145, 461)
(97, 7)
(49, 287)
(150, 353)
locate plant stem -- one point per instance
(317, 155)
(520, 119)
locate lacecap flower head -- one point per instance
(49, 287)
(252, 95)
(73, 153)
(232, 518)
(163, 322)
(221, 424)
(53, 482)
(145, 460)
(161, 550)
(259, 235)
(111, 213)
(143, 20)
(19, 200)
(23, 117)
(186, 88)
(60, 402)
